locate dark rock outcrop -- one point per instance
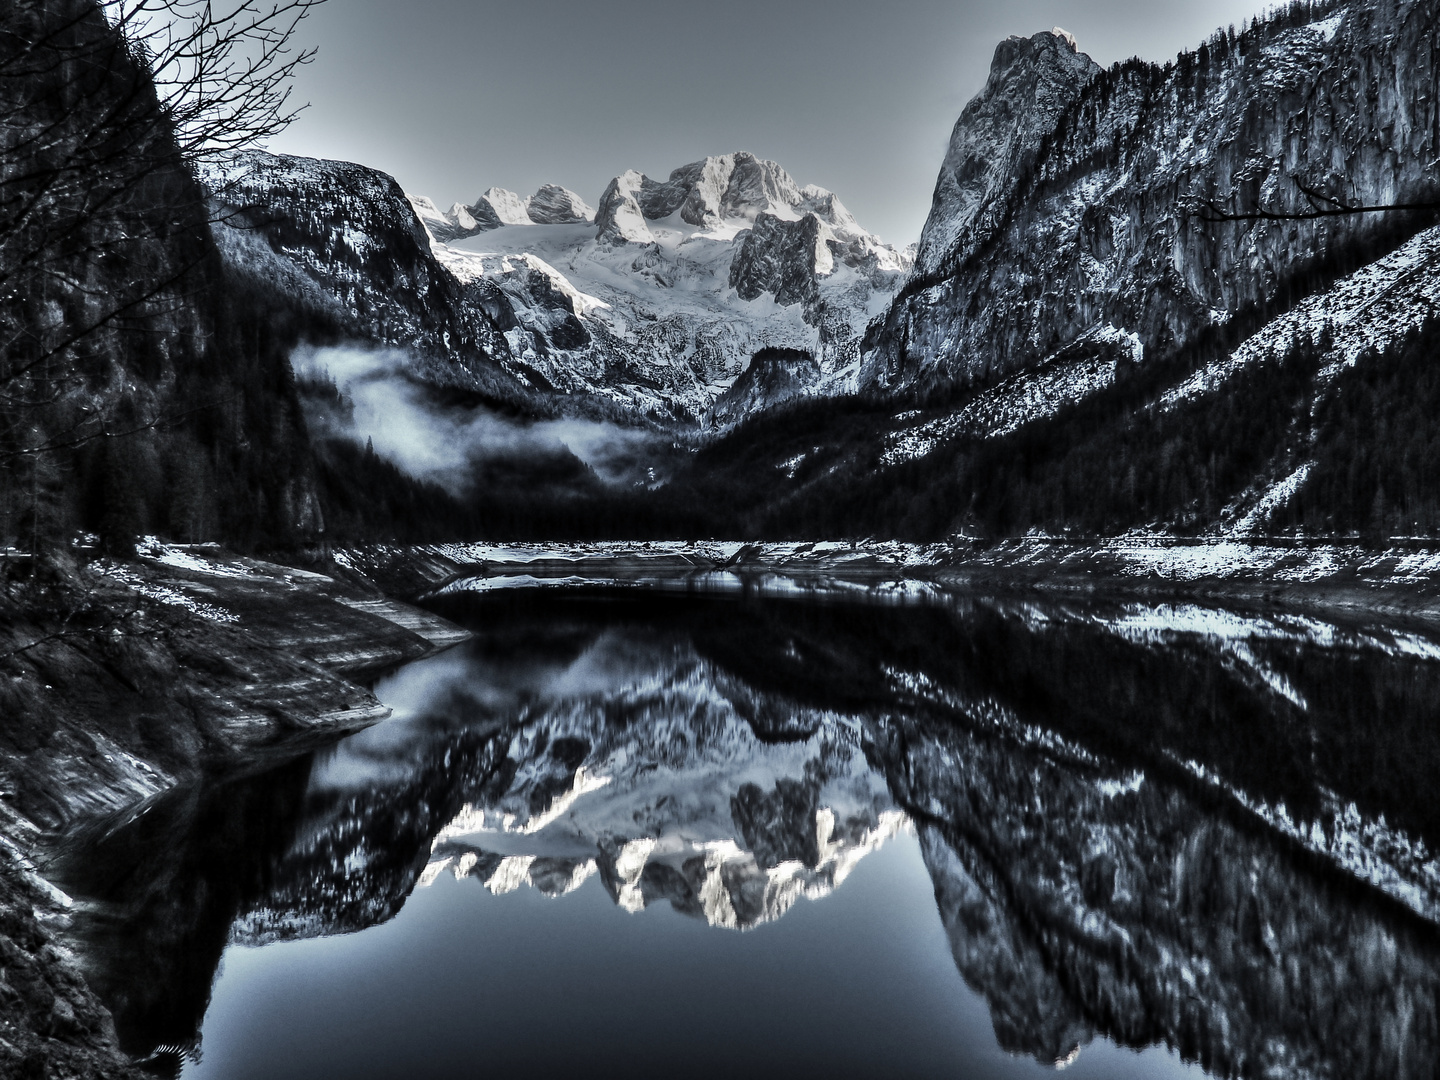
(54, 1025)
(773, 377)
(782, 257)
(553, 205)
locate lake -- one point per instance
(631, 834)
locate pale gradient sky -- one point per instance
(452, 97)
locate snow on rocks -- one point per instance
(1275, 497)
(164, 594)
(679, 284)
(1371, 310)
(497, 207)
(197, 558)
(1084, 368)
(553, 205)
(620, 218)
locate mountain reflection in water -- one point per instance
(1163, 827)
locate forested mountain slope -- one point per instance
(140, 391)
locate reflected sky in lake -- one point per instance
(710, 836)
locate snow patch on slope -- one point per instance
(1371, 310)
(1022, 398)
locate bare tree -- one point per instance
(108, 109)
(222, 74)
(1318, 204)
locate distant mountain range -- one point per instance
(651, 306)
(1076, 343)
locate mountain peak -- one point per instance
(736, 187)
(1032, 82)
(497, 207)
(554, 205)
(729, 189)
(1055, 47)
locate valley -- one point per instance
(624, 626)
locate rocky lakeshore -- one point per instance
(1399, 579)
(122, 679)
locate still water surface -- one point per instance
(763, 837)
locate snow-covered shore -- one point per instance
(1402, 577)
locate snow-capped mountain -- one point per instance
(662, 300)
(1103, 331)
(652, 305)
(497, 207)
(1072, 260)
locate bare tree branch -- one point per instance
(1320, 204)
(113, 622)
(222, 75)
(109, 112)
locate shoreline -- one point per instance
(1340, 580)
(126, 679)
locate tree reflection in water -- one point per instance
(1163, 825)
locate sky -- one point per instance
(859, 96)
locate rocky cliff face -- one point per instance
(1033, 81)
(1098, 224)
(782, 258)
(343, 241)
(731, 188)
(553, 205)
